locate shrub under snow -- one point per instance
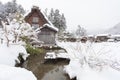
(93, 61)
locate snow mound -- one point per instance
(13, 73)
(8, 55)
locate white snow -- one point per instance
(9, 54)
(74, 69)
(103, 35)
(13, 73)
(7, 62)
(53, 55)
(49, 24)
(50, 55)
(63, 55)
(93, 61)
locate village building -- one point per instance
(115, 37)
(38, 20)
(102, 37)
(91, 38)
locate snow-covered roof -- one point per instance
(103, 35)
(91, 35)
(118, 35)
(49, 24)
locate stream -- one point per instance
(46, 70)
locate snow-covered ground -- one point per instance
(14, 73)
(8, 56)
(93, 61)
(11, 47)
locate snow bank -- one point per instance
(74, 69)
(105, 51)
(93, 61)
(13, 73)
(9, 54)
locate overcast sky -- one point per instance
(90, 14)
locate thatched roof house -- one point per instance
(37, 19)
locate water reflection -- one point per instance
(50, 70)
(55, 74)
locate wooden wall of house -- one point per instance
(47, 35)
(35, 13)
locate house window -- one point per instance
(35, 20)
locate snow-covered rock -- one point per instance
(53, 55)
(50, 55)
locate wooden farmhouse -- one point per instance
(37, 19)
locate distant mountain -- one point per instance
(114, 30)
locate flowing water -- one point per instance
(46, 70)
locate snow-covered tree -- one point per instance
(2, 11)
(17, 31)
(80, 32)
(9, 9)
(58, 20)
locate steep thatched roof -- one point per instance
(42, 16)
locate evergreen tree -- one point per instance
(10, 8)
(2, 11)
(46, 11)
(51, 16)
(58, 20)
(63, 22)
